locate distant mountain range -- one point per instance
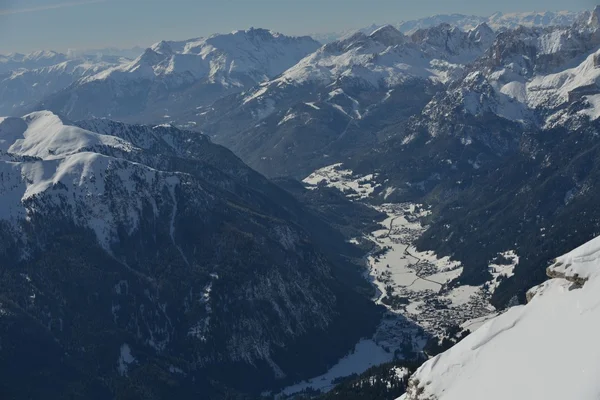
(179, 80)
(498, 21)
(172, 77)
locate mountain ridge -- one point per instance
(171, 236)
(498, 21)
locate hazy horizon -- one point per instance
(97, 24)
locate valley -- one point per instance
(417, 288)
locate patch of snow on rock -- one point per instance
(125, 359)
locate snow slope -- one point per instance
(546, 349)
(43, 158)
(45, 135)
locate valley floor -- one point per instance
(414, 286)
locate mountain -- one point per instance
(514, 356)
(502, 21)
(338, 97)
(35, 60)
(556, 68)
(498, 21)
(29, 82)
(170, 76)
(461, 21)
(146, 261)
(506, 156)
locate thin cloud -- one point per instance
(48, 7)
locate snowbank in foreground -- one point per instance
(547, 349)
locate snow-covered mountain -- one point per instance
(498, 21)
(255, 54)
(399, 57)
(546, 349)
(171, 76)
(27, 83)
(150, 252)
(308, 111)
(35, 60)
(534, 75)
(386, 57)
(194, 264)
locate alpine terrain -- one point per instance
(370, 214)
(140, 261)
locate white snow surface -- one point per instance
(583, 262)
(546, 349)
(44, 135)
(554, 89)
(503, 271)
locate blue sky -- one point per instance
(27, 25)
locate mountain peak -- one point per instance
(151, 56)
(388, 35)
(42, 54)
(346, 42)
(258, 34)
(162, 47)
(482, 33)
